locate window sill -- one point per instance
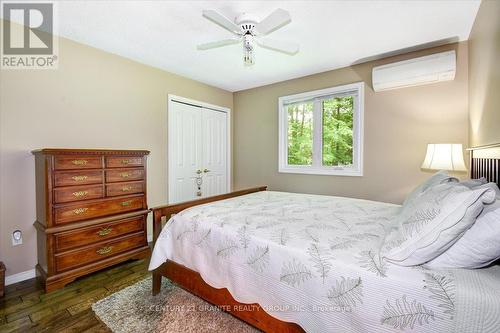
(321, 171)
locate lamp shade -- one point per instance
(444, 156)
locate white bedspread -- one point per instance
(313, 260)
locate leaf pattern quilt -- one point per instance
(314, 260)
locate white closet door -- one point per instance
(185, 155)
(197, 142)
(214, 152)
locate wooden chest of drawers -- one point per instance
(91, 211)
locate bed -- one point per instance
(286, 262)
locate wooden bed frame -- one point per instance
(190, 280)
(484, 162)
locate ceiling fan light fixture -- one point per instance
(245, 27)
(248, 58)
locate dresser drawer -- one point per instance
(124, 175)
(83, 177)
(113, 190)
(87, 210)
(77, 162)
(123, 161)
(75, 193)
(85, 236)
(92, 253)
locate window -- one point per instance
(321, 132)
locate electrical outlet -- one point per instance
(17, 237)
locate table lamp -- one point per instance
(444, 156)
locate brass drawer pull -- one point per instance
(125, 174)
(79, 211)
(126, 203)
(79, 162)
(80, 193)
(126, 188)
(105, 250)
(79, 178)
(127, 161)
(104, 232)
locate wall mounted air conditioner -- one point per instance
(414, 72)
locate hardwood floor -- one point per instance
(26, 308)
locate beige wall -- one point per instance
(94, 100)
(484, 75)
(99, 100)
(398, 125)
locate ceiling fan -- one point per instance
(248, 30)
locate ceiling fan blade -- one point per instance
(221, 20)
(278, 45)
(219, 43)
(274, 21)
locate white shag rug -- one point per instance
(134, 309)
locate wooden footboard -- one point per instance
(162, 214)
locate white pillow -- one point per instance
(473, 183)
(439, 177)
(435, 220)
(492, 186)
(479, 246)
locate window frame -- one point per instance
(317, 168)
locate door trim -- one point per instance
(172, 99)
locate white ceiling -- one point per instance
(331, 34)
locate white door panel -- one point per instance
(185, 127)
(214, 156)
(198, 140)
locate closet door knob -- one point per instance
(206, 170)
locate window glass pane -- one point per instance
(337, 131)
(300, 133)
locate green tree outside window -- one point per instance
(300, 133)
(337, 132)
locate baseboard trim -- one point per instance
(14, 278)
